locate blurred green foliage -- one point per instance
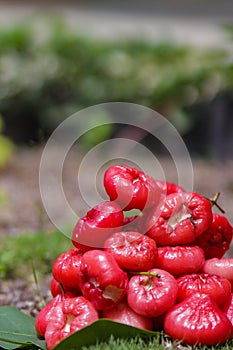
(23, 252)
(4, 198)
(6, 150)
(49, 72)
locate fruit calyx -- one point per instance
(214, 200)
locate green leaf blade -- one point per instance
(101, 331)
(17, 329)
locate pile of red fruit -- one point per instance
(161, 269)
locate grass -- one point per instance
(157, 343)
(129, 344)
(27, 251)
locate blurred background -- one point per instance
(56, 58)
(175, 57)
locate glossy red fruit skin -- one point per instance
(179, 219)
(130, 220)
(180, 260)
(56, 288)
(69, 316)
(44, 315)
(101, 279)
(99, 223)
(221, 267)
(137, 223)
(215, 241)
(228, 310)
(217, 287)
(197, 320)
(66, 268)
(131, 188)
(151, 296)
(132, 250)
(131, 223)
(169, 188)
(122, 313)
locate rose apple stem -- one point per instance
(146, 273)
(214, 200)
(62, 288)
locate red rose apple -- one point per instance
(122, 313)
(221, 267)
(67, 317)
(66, 268)
(132, 250)
(180, 260)
(101, 279)
(44, 315)
(228, 309)
(217, 287)
(215, 241)
(179, 219)
(197, 320)
(99, 223)
(152, 294)
(131, 188)
(169, 188)
(57, 288)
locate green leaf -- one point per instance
(6, 150)
(17, 329)
(101, 330)
(132, 212)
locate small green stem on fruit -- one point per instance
(214, 200)
(146, 273)
(62, 288)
